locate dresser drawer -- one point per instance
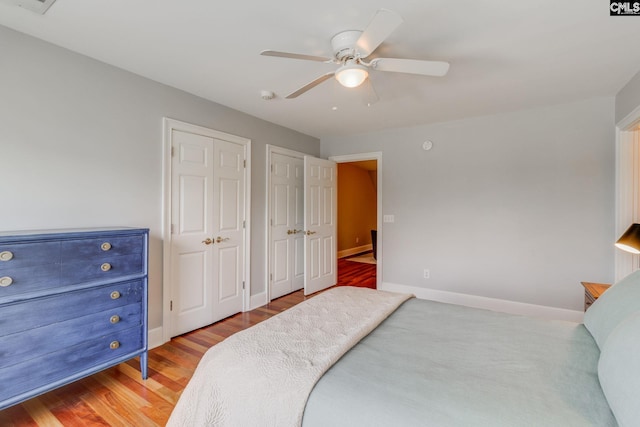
(77, 360)
(28, 279)
(104, 268)
(40, 277)
(19, 347)
(26, 315)
(103, 247)
(18, 255)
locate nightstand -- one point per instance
(592, 291)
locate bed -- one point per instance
(358, 357)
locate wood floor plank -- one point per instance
(152, 384)
(79, 414)
(122, 407)
(16, 416)
(41, 414)
(119, 396)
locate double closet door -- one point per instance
(208, 229)
(302, 247)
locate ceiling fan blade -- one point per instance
(411, 66)
(310, 85)
(381, 26)
(295, 56)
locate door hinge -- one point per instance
(244, 224)
(171, 228)
(243, 285)
(271, 168)
(244, 163)
(170, 305)
(172, 152)
(271, 277)
(271, 222)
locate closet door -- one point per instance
(207, 214)
(287, 222)
(228, 228)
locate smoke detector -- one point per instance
(267, 95)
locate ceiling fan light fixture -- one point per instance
(352, 74)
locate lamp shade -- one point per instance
(630, 240)
(352, 75)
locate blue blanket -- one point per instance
(435, 364)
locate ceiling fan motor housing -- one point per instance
(344, 44)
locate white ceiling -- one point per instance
(504, 54)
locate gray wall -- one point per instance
(628, 98)
(516, 206)
(81, 146)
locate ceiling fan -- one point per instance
(351, 48)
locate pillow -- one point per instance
(619, 371)
(618, 302)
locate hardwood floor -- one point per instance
(119, 397)
(356, 274)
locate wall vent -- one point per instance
(37, 6)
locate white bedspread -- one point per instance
(263, 375)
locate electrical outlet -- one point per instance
(426, 274)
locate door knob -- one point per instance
(220, 239)
(296, 231)
(207, 241)
(309, 232)
(290, 231)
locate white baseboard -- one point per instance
(356, 250)
(494, 304)
(258, 300)
(155, 338)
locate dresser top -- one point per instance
(68, 233)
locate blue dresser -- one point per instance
(72, 303)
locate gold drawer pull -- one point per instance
(6, 256)
(114, 319)
(105, 267)
(115, 295)
(114, 345)
(105, 246)
(5, 281)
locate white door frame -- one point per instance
(271, 149)
(377, 155)
(169, 125)
(627, 194)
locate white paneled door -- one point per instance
(207, 216)
(320, 206)
(287, 224)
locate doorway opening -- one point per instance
(359, 234)
(357, 223)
